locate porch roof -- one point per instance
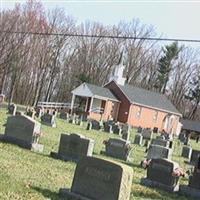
(191, 125)
(90, 90)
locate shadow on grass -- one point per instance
(46, 193)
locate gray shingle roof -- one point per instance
(191, 125)
(102, 92)
(148, 98)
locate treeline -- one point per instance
(43, 67)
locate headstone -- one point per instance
(186, 152)
(140, 129)
(12, 109)
(74, 147)
(138, 139)
(2, 97)
(55, 112)
(30, 112)
(108, 126)
(118, 148)
(193, 188)
(93, 124)
(39, 112)
(157, 151)
(48, 120)
(160, 174)
(182, 137)
(117, 129)
(79, 120)
(170, 144)
(147, 134)
(100, 179)
(72, 119)
(194, 181)
(146, 143)
(125, 132)
(163, 143)
(194, 156)
(64, 115)
(23, 131)
(160, 137)
(155, 130)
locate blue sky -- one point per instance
(172, 19)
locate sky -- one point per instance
(171, 19)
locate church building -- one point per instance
(128, 104)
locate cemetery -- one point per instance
(40, 176)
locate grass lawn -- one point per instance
(28, 175)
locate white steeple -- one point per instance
(117, 73)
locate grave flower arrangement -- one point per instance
(177, 172)
(145, 163)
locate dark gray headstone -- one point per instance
(194, 180)
(74, 147)
(72, 118)
(155, 130)
(157, 151)
(194, 156)
(93, 124)
(117, 129)
(79, 120)
(30, 112)
(12, 109)
(98, 179)
(138, 139)
(125, 132)
(64, 115)
(39, 112)
(193, 188)
(159, 174)
(118, 148)
(23, 131)
(108, 126)
(139, 129)
(48, 120)
(147, 134)
(163, 143)
(160, 137)
(186, 152)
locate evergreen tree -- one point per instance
(194, 95)
(165, 65)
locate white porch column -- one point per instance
(91, 102)
(86, 105)
(72, 103)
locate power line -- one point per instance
(103, 36)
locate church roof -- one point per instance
(148, 98)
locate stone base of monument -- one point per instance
(37, 147)
(66, 193)
(155, 184)
(190, 192)
(61, 157)
(126, 159)
(48, 124)
(33, 147)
